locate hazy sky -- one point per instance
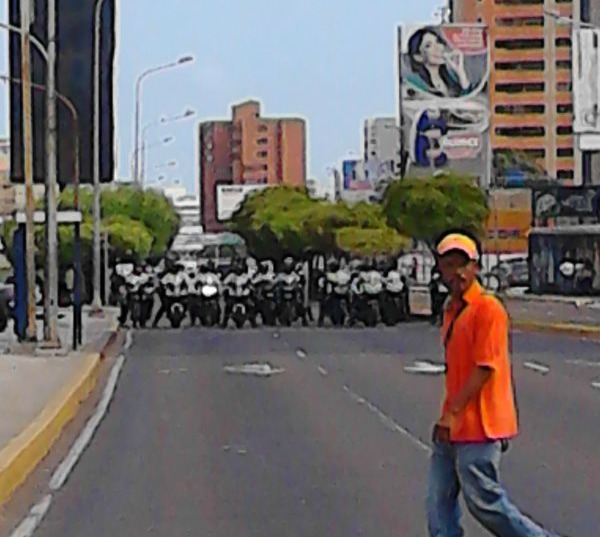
(330, 61)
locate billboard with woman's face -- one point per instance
(444, 73)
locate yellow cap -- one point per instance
(460, 242)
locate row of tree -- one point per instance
(286, 221)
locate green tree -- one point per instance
(424, 208)
(367, 242)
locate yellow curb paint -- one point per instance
(24, 452)
(558, 328)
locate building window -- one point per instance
(518, 2)
(209, 158)
(565, 130)
(520, 21)
(263, 128)
(520, 132)
(535, 153)
(564, 64)
(564, 108)
(565, 175)
(564, 86)
(262, 154)
(565, 152)
(263, 141)
(519, 44)
(563, 42)
(527, 65)
(520, 109)
(519, 87)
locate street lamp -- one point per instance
(162, 121)
(138, 90)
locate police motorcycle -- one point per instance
(438, 293)
(176, 291)
(239, 298)
(205, 300)
(395, 298)
(335, 290)
(138, 291)
(265, 287)
(367, 288)
(289, 298)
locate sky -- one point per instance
(332, 62)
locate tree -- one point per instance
(282, 220)
(424, 208)
(370, 242)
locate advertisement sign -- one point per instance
(231, 197)
(567, 202)
(586, 85)
(353, 175)
(444, 73)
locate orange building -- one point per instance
(248, 150)
(531, 84)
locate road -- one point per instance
(335, 443)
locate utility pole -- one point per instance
(51, 272)
(26, 20)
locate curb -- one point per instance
(558, 328)
(20, 457)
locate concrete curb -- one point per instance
(558, 328)
(23, 453)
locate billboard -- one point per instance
(444, 101)
(74, 73)
(231, 197)
(560, 202)
(586, 88)
(353, 175)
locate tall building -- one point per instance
(381, 140)
(248, 149)
(531, 79)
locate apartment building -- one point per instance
(531, 79)
(248, 149)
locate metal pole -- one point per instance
(97, 256)
(51, 227)
(106, 269)
(31, 332)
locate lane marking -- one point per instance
(538, 368)
(65, 468)
(421, 367)
(31, 522)
(388, 422)
(596, 385)
(323, 371)
(128, 340)
(301, 353)
(585, 363)
(259, 370)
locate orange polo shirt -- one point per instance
(479, 337)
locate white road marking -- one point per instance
(260, 370)
(128, 340)
(388, 422)
(585, 363)
(538, 368)
(323, 371)
(36, 514)
(596, 385)
(425, 368)
(301, 353)
(183, 370)
(65, 468)
(164, 371)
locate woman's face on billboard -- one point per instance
(431, 51)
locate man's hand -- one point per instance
(441, 430)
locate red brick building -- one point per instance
(248, 149)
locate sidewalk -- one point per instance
(574, 315)
(42, 393)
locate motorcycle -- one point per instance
(140, 295)
(288, 299)
(266, 300)
(368, 295)
(240, 294)
(394, 300)
(337, 290)
(208, 300)
(177, 296)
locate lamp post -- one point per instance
(163, 121)
(138, 91)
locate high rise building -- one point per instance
(381, 139)
(531, 79)
(248, 150)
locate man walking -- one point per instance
(479, 411)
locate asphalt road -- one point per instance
(335, 444)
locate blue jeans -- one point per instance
(474, 468)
